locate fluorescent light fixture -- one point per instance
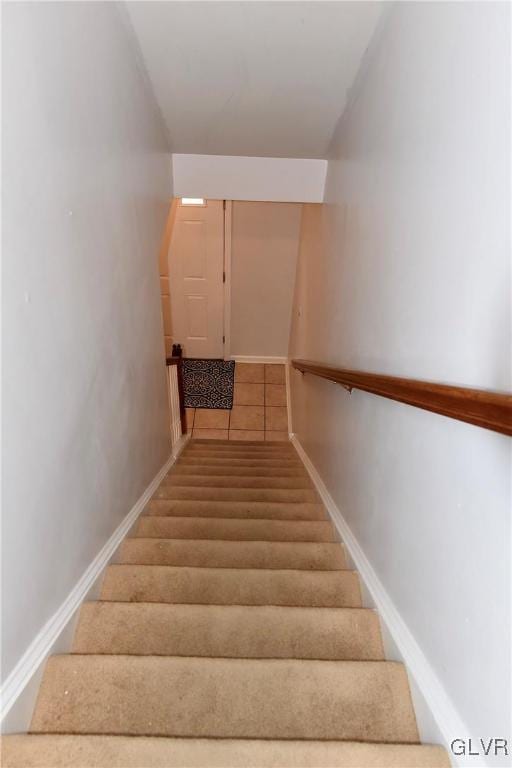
(192, 200)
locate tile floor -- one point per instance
(259, 407)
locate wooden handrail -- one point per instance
(183, 414)
(487, 409)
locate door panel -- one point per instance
(196, 265)
(197, 317)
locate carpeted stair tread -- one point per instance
(233, 554)
(228, 631)
(233, 481)
(206, 461)
(71, 751)
(239, 448)
(249, 471)
(239, 455)
(209, 493)
(225, 698)
(282, 446)
(231, 586)
(75, 751)
(252, 510)
(236, 529)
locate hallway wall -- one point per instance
(264, 244)
(406, 270)
(86, 186)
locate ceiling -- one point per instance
(267, 79)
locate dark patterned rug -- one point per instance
(208, 383)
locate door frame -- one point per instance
(228, 218)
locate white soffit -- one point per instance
(276, 179)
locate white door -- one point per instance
(196, 271)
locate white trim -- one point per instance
(228, 217)
(437, 718)
(20, 689)
(256, 359)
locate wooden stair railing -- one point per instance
(178, 362)
(487, 409)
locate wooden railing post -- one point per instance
(181, 392)
(177, 360)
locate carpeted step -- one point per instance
(233, 554)
(226, 469)
(225, 698)
(206, 461)
(234, 481)
(228, 631)
(226, 443)
(234, 529)
(207, 493)
(231, 586)
(68, 751)
(239, 453)
(229, 445)
(239, 509)
(240, 447)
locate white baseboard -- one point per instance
(20, 689)
(256, 359)
(438, 720)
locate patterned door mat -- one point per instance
(208, 383)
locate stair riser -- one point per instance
(228, 631)
(219, 481)
(225, 698)
(236, 530)
(235, 494)
(239, 509)
(233, 554)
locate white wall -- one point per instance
(221, 177)
(264, 246)
(406, 270)
(86, 189)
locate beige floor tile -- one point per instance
(276, 419)
(190, 417)
(246, 434)
(250, 372)
(274, 374)
(211, 434)
(247, 417)
(275, 435)
(275, 394)
(211, 418)
(249, 394)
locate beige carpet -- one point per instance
(229, 633)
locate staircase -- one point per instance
(229, 634)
